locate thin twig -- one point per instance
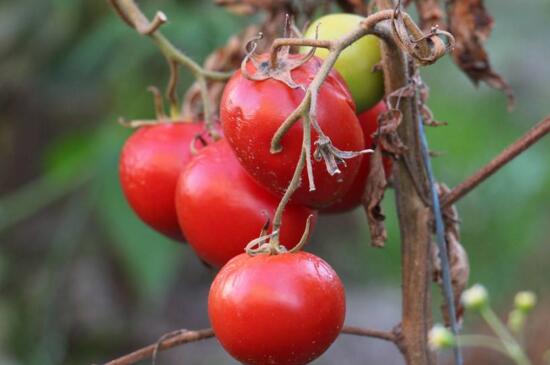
(366, 332)
(147, 352)
(129, 11)
(185, 336)
(527, 140)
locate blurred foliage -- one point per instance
(81, 278)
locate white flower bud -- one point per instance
(525, 301)
(476, 297)
(440, 337)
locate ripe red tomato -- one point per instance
(221, 208)
(251, 112)
(284, 309)
(150, 164)
(352, 198)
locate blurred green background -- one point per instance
(83, 280)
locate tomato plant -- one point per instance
(221, 208)
(352, 198)
(282, 309)
(356, 62)
(149, 167)
(252, 111)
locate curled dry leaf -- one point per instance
(458, 258)
(372, 197)
(471, 25)
(387, 132)
(389, 121)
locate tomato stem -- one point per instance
(129, 11)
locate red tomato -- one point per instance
(150, 164)
(284, 309)
(251, 112)
(221, 208)
(352, 198)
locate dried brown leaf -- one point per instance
(374, 193)
(430, 14)
(387, 132)
(471, 25)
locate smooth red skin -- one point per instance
(251, 112)
(352, 198)
(284, 309)
(221, 208)
(150, 164)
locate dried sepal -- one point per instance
(325, 150)
(471, 24)
(372, 199)
(280, 68)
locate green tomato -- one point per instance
(355, 63)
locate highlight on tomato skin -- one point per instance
(252, 111)
(352, 198)
(284, 309)
(221, 208)
(150, 163)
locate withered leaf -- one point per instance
(471, 25)
(387, 135)
(430, 14)
(372, 197)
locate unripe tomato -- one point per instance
(355, 63)
(282, 309)
(150, 164)
(352, 198)
(221, 208)
(252, 111)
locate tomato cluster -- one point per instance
(269, 307)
